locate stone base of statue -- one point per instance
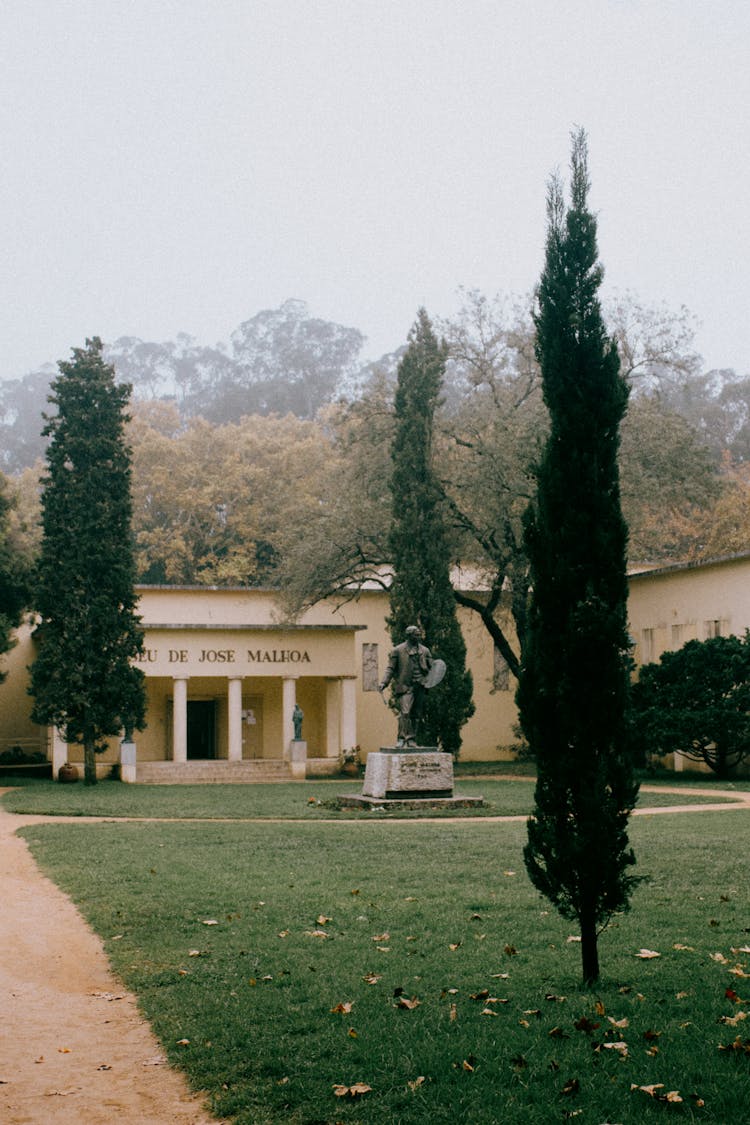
(413, 777)
(298, 758)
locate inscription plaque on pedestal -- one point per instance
(423, 772)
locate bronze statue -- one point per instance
(297, 716)
(409, 665)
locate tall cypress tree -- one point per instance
(421, 591)
(83, 679)
(573, 685)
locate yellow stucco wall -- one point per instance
(212, 635)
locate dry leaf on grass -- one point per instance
(355, 1091)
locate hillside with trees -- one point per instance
(265, 460)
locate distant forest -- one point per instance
(266, 460)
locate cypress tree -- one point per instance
(573, 686)
(421, 591)
(83, 679)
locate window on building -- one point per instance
(714, 629)
(678, 636)
(648, 648)
(370, 677)
(500, 672)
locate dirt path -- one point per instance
(74, 1047)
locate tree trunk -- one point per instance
(89, 762)
(589, 952)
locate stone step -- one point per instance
(213, 772)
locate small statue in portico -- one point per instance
(297, 716)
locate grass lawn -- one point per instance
(310, 800)
(280, 961)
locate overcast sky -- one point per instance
(179, 165)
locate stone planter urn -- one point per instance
(67, 773)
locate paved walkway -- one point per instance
(74, 1048)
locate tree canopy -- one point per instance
(421, 592)
(84, 679)
(696, 702)
(573, 687)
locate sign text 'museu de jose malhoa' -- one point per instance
(228, 656)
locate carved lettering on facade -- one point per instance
(217, 656)
(277, 656)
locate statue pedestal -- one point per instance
(421, 777)
(298, 758)
(394, 773)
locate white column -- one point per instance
(234, 700)
(333, 743)
(288, 700)
(59, 751)
(179, 720)
(349, 713)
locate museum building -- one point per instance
(224, 674)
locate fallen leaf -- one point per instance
(371, 978)
(323, 920)
(453, 1014)
(316, 933)
(417, 1082)
(510, 950)
(210, 922)
(382, 937)
(63, 1050)
(104, 1067)
(489, 1012)
(573, 938)
(283, 933)
(719, 958)
(352, 1033)
(647, 954)
(454, 946)
(182, 1042)
(404, 1002)
(733, 1020)
(557, 1033)
(738, 1047)
(355, 1091)
(587, 1025)
(194, 953)
(554, 999)
(625, 1022)
(620, 1046)
(343, 1007)
(572, 1086)
(469, 1066)
(599, 1008)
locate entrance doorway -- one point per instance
(201, 729)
